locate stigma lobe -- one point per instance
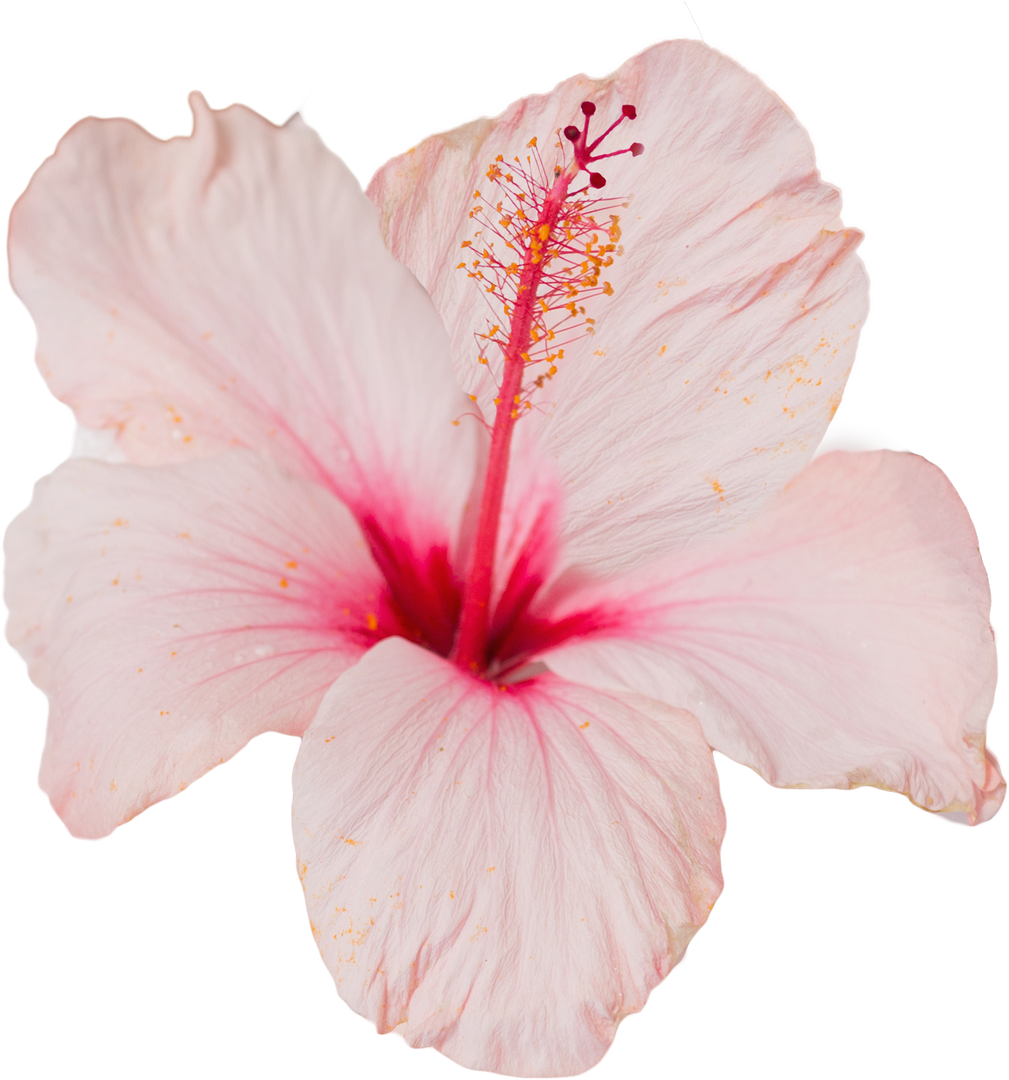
(584, 151)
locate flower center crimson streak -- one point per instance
(553, 244)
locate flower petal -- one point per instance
(841, 640)
(172, 613)
(714, 370)
(501, 873)
(232, 288)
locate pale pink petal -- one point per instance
(718, 363)
(232, 288)
(841, 640)
(501, 872)
(172, 613)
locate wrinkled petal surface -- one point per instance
(232, 288)
(841, 640)
(718, 363)
(501, 873)
(172, 613)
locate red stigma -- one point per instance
(585, 152)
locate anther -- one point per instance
(572, 133)
(637, 149)
(630, 112)
(597, 180)
(588, 108)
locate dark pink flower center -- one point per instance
(422, 602)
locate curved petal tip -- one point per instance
(988, 799)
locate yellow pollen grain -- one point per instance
(371, 620)
(283, 583)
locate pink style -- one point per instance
(495, 485)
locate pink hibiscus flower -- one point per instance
(508, 626)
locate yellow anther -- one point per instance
(518, 398)
(531, 143)
(607, 289)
